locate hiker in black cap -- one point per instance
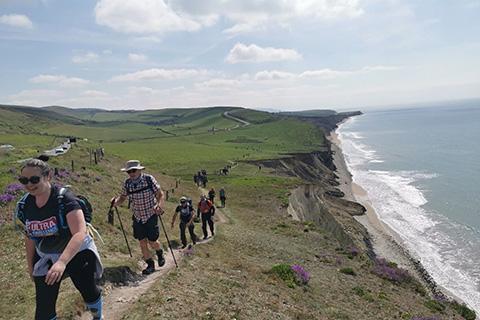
(206, 208)
(57, 242)
(211, 195)
(186, 220)
(147, 202)
(223, 197)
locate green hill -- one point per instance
(281, 168)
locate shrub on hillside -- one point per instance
(464, 311)
(390, 271)
(292, 275)
(348, 271)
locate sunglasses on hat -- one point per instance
(32, 179)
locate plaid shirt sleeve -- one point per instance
(124, 188)
(156, 185)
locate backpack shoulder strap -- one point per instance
(149, 182)
(19, 210)
(61, 208)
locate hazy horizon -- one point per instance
(285, 55)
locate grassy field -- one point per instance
(230, 277)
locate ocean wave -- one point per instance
(448, 250)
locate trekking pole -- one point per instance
(123, 230)
(110, 215)
(168, 241)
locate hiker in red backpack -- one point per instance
(147, 202)
(57, 242)
(186, 220)
(206, 208)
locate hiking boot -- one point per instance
(205, 238)
(150, 267)
(161, 259)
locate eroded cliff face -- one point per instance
(319, 201)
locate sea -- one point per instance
(421, 170)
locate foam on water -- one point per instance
(448, 250)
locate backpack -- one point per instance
(148, 187)
(61, 215)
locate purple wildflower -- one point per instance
(389, 271)
(6, 198)
(13, 188)
(353, 252)
(188, 251)
(302, 276)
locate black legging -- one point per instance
(183, 236)
(81, 270)
(207, 217)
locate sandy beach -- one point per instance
(386, 243)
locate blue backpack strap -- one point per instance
(19, 210)
(61, 208)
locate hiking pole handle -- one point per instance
(168, 241)
(123, 231)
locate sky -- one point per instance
(271, 54)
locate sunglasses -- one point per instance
(131, 170)
(32, 179)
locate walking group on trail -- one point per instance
(200, 178)
(58, 242)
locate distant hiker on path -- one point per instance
(147, 202)
(211, 195)
(56, 241)
(223, 197)
(206, 208)
(186, 220)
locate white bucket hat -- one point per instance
(132, 164)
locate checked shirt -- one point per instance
(142, 202)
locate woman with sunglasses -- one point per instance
(51, 252)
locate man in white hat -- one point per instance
(147, 202)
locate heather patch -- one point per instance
(389, 271)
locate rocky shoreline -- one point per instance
(385, 241)
(344, 207)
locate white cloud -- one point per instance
(274, 75)
(160, 16)
(141, 90)
(324, 74)
(95, 94)
(159, 74)
(146, 16)
(16, 20)
(60, 80)
(219, 83)
(85, 58)
(35, 97)
(253, 53)
(136, 57)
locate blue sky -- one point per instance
(281, 54)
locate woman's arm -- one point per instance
(78, 229)
(30, 253)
